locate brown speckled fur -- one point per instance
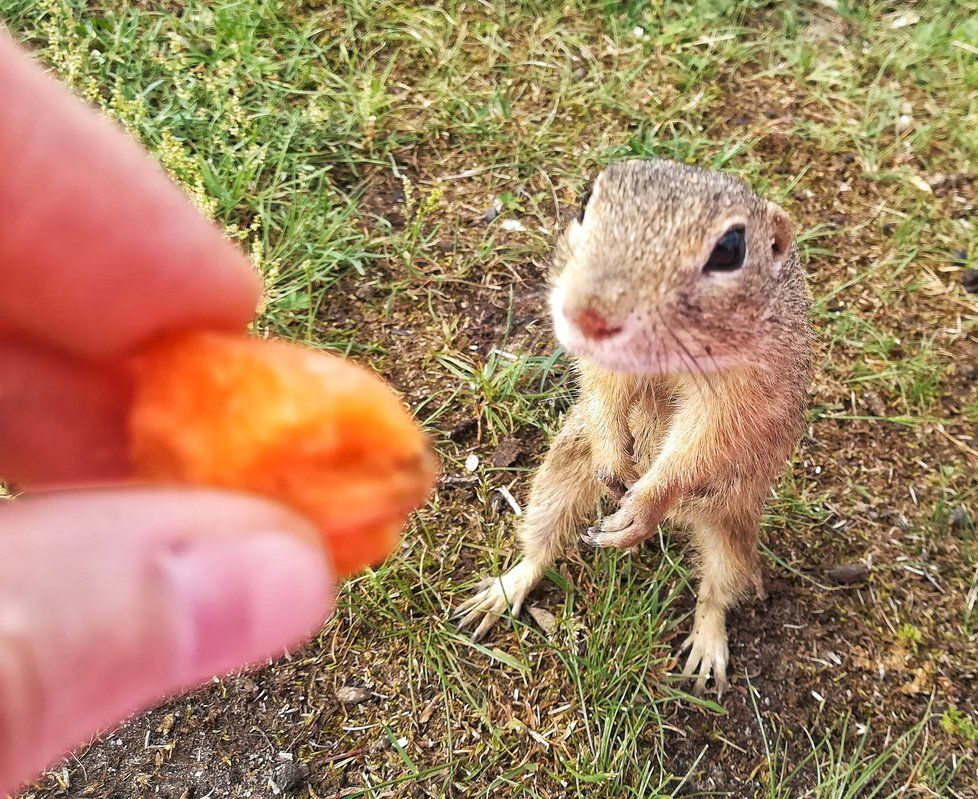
(694, 405)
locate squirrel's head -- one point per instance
(669, 268)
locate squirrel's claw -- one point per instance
(707, 645)
(494, 597)
(590, 537)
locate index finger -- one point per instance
(99, 250)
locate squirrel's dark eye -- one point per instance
(728, 254)
(584, 201)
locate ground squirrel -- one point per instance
(681, 294)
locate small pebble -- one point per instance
(848, 574)
(960, 519)
(970, 281)
(365, 292)
(874, 403)
(905, 19)
(289, 776)
(489, 214)
(472, 462)
(352, 694)
(544, 618)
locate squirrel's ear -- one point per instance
(782, 234)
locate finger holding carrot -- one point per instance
(200, 550)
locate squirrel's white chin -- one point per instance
(649, 363)
(630, 354)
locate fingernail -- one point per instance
(242, 600)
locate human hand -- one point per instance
(112, 598)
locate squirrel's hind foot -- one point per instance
(495, 596)
(708, 654)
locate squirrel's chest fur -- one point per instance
(650, 415)
(760, 416)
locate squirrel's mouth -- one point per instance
(635, 344)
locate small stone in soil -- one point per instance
(848, 574)
(365, 292)
(352, 694)
(289, 776)
(959, 519)
(874, 403)
(970, 281)
(489, 214)
(543, 617)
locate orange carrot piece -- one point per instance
(316, 432)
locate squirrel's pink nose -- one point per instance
(591, 323)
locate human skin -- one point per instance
(114, 596)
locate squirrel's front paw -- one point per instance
(635, 520)
(617, 479)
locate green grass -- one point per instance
(506, 391)
(844, 769)
(352, 148)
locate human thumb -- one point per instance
(113, 599)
